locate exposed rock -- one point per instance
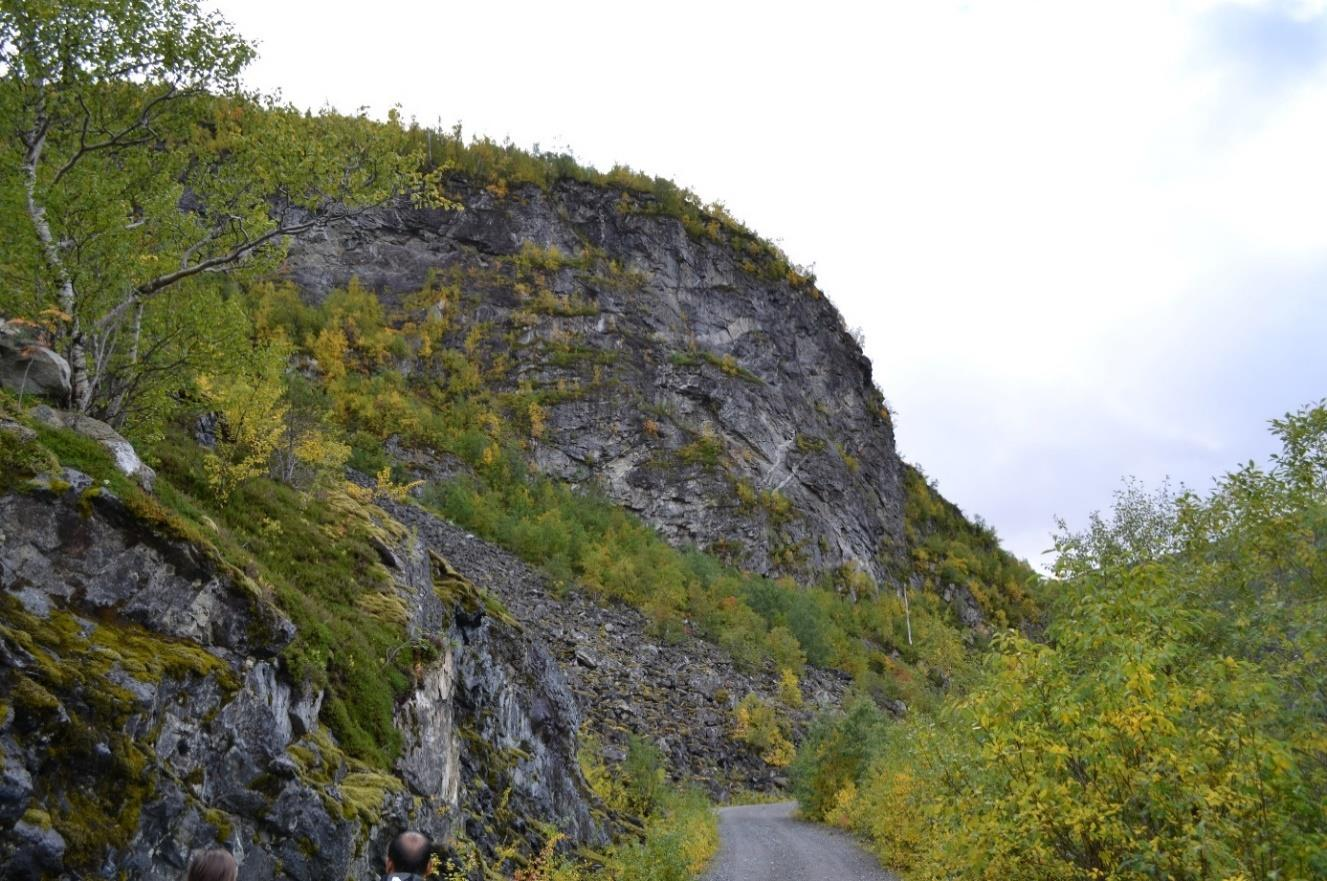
(430, 761)
(624, 679)
(28, 366)
(147, 711)
(15, 792)
(125, 456)
(965, 606)
(24, 434)
(205, 430)
(36, 850)
(687, 375)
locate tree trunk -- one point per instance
(118, 393)
(66, 296)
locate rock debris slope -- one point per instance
(679, 696)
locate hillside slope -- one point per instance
(725, 405)
(571, 461)
(154, 701)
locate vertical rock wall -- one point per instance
(146, 712)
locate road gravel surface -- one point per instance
(765, 843)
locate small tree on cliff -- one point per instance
(134, 165)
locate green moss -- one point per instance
(92, 779)
(706, 450)
(808, 444)
(321, 568)
(73, 653)
(386, 607)
(87, 455)
(37, 817)
(32, 698)
(86, 498)
(363, 794)
(304, 757)
(458, 592)
(21, 460)
(150, 658)
(221, 822)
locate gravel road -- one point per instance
(765, 843)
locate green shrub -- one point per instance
(759, 726)
(1170, 726)
(836, 752)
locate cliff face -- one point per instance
(156, 694)
(728, 407)
(148, 710)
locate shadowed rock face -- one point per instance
(729, 410)
(146, 711)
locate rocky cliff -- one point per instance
(303, 669)
(152, 704)
(723, 401)
(148, 710)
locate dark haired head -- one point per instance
(409, 852)
(212, 865)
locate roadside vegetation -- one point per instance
(671, 831)
(1169, 725)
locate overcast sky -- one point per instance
(1083, 240)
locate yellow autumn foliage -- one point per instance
(757, 724)
(1168, 726)
(251, 419)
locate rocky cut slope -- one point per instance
(710, 390)
(159, 687)
(149, 703)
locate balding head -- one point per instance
(409, 852)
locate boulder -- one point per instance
(126, 457)
(27, 367)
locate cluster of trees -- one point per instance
(1172, 724)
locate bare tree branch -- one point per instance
(121, 138)
(238, 253)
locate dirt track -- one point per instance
(765, 843)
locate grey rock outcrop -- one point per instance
(28, 366)
(122, 452)
(147, 711)
(730, 409)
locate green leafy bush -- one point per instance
(1170, 726)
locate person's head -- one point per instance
(409, 852)
(212, 865)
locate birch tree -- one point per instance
(133, 164)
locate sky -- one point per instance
(1083, 241)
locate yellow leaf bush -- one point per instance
(1170, 726)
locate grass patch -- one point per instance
(727, 364)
